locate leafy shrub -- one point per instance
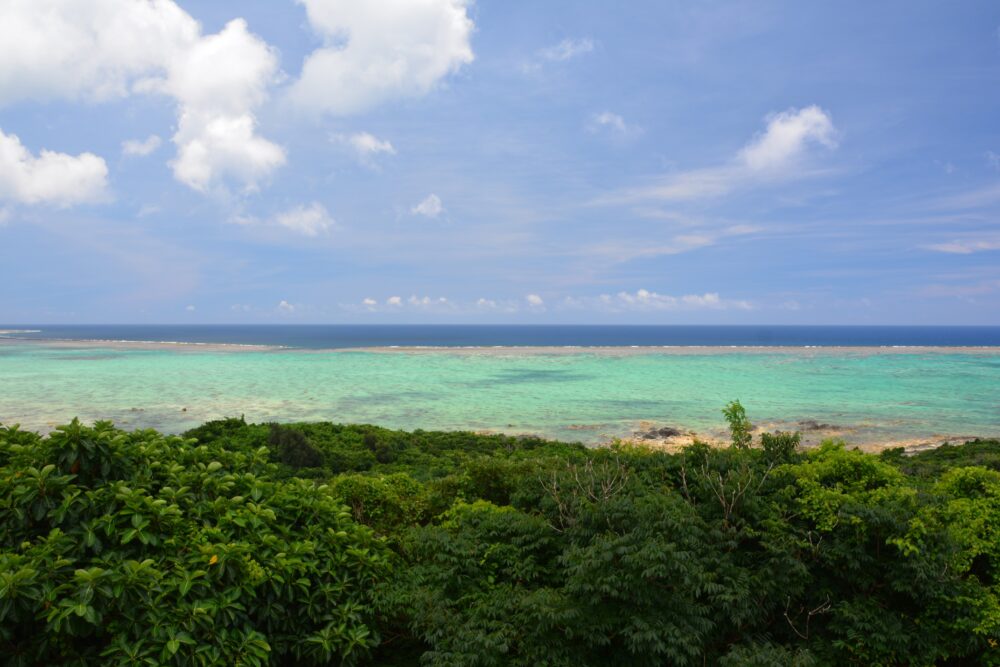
(780, 447)
(293, 448)
(121, 548)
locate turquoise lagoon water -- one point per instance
(876, 395)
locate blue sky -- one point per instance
(452, 161)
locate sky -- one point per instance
(499, 161)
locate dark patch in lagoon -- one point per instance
(86, 357)
(522, 375)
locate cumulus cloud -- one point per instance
(50, 177)
(426, 301)
(95, 51)
(646, 300)
(112, 48)
(218, 82)
(137, 148)
(311, 220)
(378, 51)
(776, 154)
(365, 146)
(414, 303)
(430, 207)
(285, 307)
(787, 135)
(641, 300)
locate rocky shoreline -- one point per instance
(672, 439)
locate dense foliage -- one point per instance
(327, 544)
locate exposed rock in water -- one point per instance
(813, 425)
(661, 433)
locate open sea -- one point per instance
(871, 385)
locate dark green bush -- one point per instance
(293, 448)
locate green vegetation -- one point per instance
(246, 544)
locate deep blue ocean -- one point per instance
(323, 336)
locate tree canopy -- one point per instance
(249, 544)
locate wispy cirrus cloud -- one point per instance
(775, 155)
(567, 49)
(310, 220)
(613, 125)
(141, 148)
(365, 146)
(966, 246)
(563, 51)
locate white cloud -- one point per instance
(645, 300)
(285, 307)
(614, 124)
(787, 135)
(426, 301)
(966, 247)
(486, 303)
(567, 50)
(218, 82)
(612, 120)
(135, 147)
(308, 220)
(49, 178)
(95, 50)
(378, 51)
(775, 155)
(106, 49)
(623, 250)
(366, 146)
(535, 301)
(415, 303)
(967, 291)
(430, 207)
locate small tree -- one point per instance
(293, 448)
(780, 446)
(739, 426)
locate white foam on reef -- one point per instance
(10, 332)
(143, 344)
